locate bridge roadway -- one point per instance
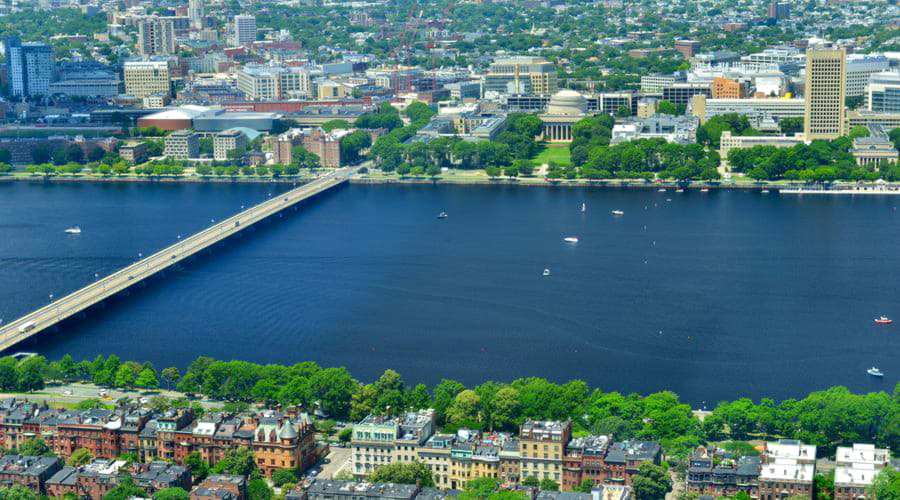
(35, 322)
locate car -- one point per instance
(68, 392)
(103, 393)
(144, 401)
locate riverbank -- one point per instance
(470, 178)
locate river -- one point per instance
(713, 295)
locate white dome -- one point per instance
(567, 103)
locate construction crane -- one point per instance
(434, 46)
(401, 53)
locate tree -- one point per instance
(199, 468)
(147, 379)
(170, 375)
(531, 482)
(859, 131)
(282, 476)
(418, 112)
(258, 489)
(36, 447)
(9, 378)
(886, 485)
(352, 144)
(403, 473)
(17, 492)
(125, 376)
(30, 373)
(585, 486)
(74, 153)
(333, 388)
(81, 456)
(464, 410)
(240, 462)
(824, 485)
(549, 485)
(652, 482)
(791, 125)
(40, 154)
(172, 494)
(336, 124)
(125, 489)
(666, 107)
(492, 171)
(345, 435)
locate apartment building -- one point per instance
(244, 29)
(788, 469)
(521, 75)
(379, 440)
(717, 473)
(584, 460)
(856, 469)
(623, 459)
(147, 78)
(156, 36)
(227, 141)
(284, 442)
(541, 448)
(29, 67)
(273, 83)
(30, 472)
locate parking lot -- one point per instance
(339, 459)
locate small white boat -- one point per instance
(679, 190)
(570, 239)
(583, 208)
(618, 212)
(442, 215)
(765, 191)
(73, 230)
(546, 272)
(660, 190)
(884, 320)
(875, 372)
(704, 190)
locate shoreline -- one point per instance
(523, 182)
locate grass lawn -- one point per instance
(557, 153)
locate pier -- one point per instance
(46, 317)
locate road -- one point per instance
(53, 313)
(76, 392)
(339, 459)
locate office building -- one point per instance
(727, 142)
(874, 150)
(227, 141)
(826, 83)
(883, 92)
(654, 84)
(182, 145)
(757, 110)
(147, 78)
(727, 88)
(156, 37)
(272, 83)
(196, 13)
(687, 48)
(779, 10)
(775, 55)
(521, 75)
(244, 29)
(681, 93)
(29, 68)
(859, 68)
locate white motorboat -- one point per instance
(73, 230)
(570, 239)
(546, 272)
(617, 212)
(442, 215)
(704, 190)
(875, 372)
(583, 208)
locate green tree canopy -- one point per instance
(403, 473)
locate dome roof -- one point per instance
(288, 431)
(567, 103)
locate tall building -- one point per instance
(687, 48)
(521, 75)
(541, 448)
(860, 67)
(272, 83)
(779, 10)
(29, 67)
(156, 37)
(147, 78)
(883, 92)
(826, 87)
(244, 29)
(195, 13)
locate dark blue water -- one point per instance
(723, 294)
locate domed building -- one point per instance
(565, 109)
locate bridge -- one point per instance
(37, 321)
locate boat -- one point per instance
(884, 320)
(765, 191)
(618, 212)
(660, 190)
(442, 215)
(679, 190)
(546, 272)
(704, 190)
(583, 208)
(570, 239)
(73, 230)
(875, 372)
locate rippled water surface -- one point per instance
(713, 295)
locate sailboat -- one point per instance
(583, 208)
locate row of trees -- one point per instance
(826, 418)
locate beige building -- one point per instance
(875, 149)
(379, 440)
(272, 83)
(147, 78)
(521, 75)
(826, 87)
(541, 448)
(156, 36)
(182, 145)
(727, 142)
(226, 141)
